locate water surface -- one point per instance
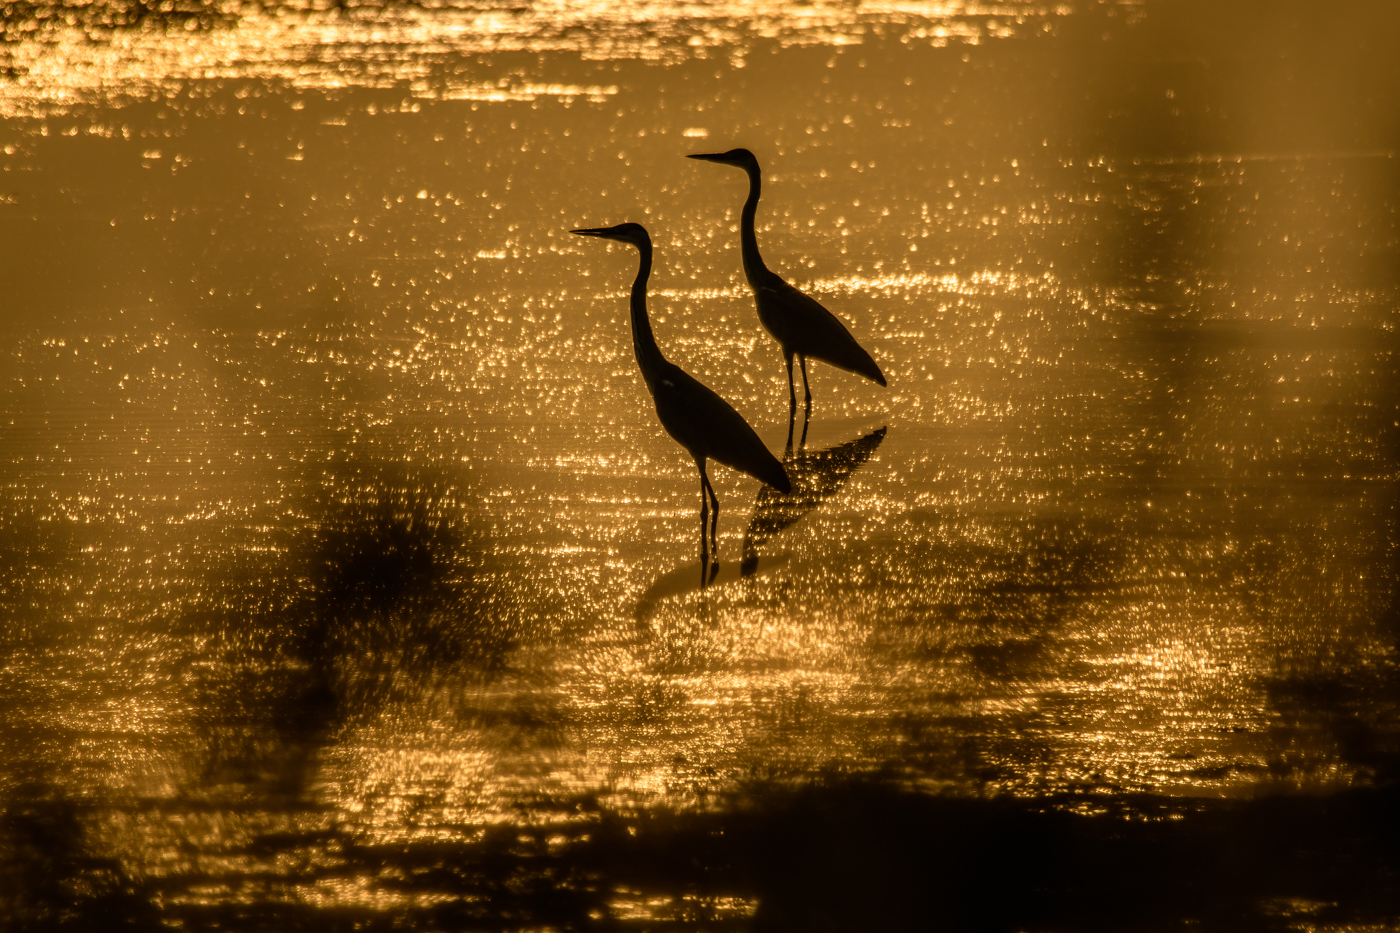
(348, 579)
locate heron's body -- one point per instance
(704, 424)
(804, 328)
(709, 428)
(798, 322)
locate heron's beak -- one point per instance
(593, 231)
(709, 157)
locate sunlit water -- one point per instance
(335, 513)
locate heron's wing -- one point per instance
(708, 426)
(803, 326)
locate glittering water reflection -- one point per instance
(67, 57)
(332, 500)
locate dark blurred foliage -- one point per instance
(50, 877)
(396, 575)
(388, 593)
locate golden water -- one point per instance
(331, 495)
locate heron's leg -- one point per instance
(792, 390)
(714, 526)
(792, 405)
(806, 420)
(704, 522)
(806, 390)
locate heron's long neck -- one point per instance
(754, 268)
(649, 356)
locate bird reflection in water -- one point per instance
(816, 476)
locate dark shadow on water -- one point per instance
(849, 854)
(1011, 587)
(834, 853)
(855, 855)
(33, 600)
(1335, 703)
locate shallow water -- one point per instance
(348, 578)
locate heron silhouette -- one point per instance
(797, 321)
(704, 424)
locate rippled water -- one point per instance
(348, 579)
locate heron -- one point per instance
(797, 321)
(704, 424)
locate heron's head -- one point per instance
(739, 158)
(635, 234)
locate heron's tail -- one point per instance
(774, 475)
(837, 347)
(755, 459)
(863, 364)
